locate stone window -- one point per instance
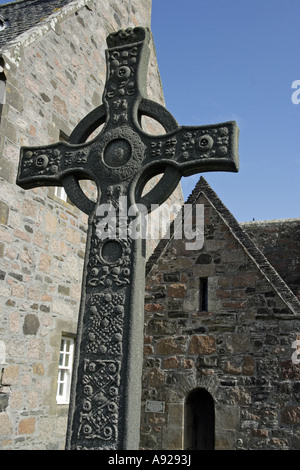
(60, 193)
(199, 421)
(203, 294)
(65, 370)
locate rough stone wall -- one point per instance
(279, 240)
(239, 350)
(55, 76)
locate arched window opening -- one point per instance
(199, 421)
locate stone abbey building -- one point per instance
(221, 323)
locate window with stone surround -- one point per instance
(65, 370)
(203, 294)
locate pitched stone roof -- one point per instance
(279, 240)
(21, 15)
(270, 273)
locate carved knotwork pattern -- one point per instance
(205, 144)
(127, 36)
(115, 274)
(164, 149)
(105, 325)
(103, 333)
(52, 161)
(123, 65)
(41, 162)
(99, 414)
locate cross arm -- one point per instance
(194, 149)
(49, 165)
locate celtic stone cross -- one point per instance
(105, 398)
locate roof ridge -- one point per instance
(10, 3)
(165, 240)
(242, 237)
(15, 2)
(22, 16)
(271, 221)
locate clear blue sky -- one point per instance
(223, 60)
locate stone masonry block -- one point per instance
(4, 212)
(169, 347)
(27, 426)
(202, 344)
(5, 424)
(177, 290)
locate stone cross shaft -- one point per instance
(105, 397)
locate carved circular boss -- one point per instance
(118, 154)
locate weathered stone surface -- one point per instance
(202, 345)
(171, 363)
(4, 398)
(55, 81)
(161, 327)
(156, 378)
(290, 370)
(27, 426)
(31, 324)
(4, 211)
(5, 426)
(168, 347)
(114, 265)
(248, 365)
(291, 415)
(279, 236)
(177, 290)
(240, 350)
